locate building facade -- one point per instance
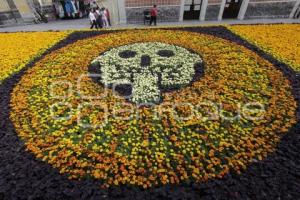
(132, 11)
(206, 10)
(15, 11)
(24, 11)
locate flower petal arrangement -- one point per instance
(17, 49)
(159, 65)
(280, 40)
(194, 111)
(151, 150)
(145, 88)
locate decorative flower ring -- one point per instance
(198, 132)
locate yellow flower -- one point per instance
(17, 49)
(280, 40)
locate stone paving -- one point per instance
(81, 24)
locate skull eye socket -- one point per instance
(165, 53)
(127, 54)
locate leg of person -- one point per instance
(103, 23)
(100, 22)
(97, 21)
(92, 26)
(96, 24)
(155, 18)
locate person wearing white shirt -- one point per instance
(93, 19)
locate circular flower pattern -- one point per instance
(147, 67)
(199, 132)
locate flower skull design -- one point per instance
(142, 149)
(148, 69)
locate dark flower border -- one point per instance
(22, 176)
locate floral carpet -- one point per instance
(179, 113)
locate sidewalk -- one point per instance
(81, 24)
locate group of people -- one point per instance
(99, 18)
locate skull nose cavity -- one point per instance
(145, 61)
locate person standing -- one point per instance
(104, 18)
(98, 17)
(93, 19)
(107, 16)
(153, 14)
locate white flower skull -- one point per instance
(148, 69)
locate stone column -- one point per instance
(221, 10)
(122, 11)
(8, 13)
(181, 10)
(203, 10)
(24, 10)
(297, 4)
(243, 9)
(116, 10)
(4, 6)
